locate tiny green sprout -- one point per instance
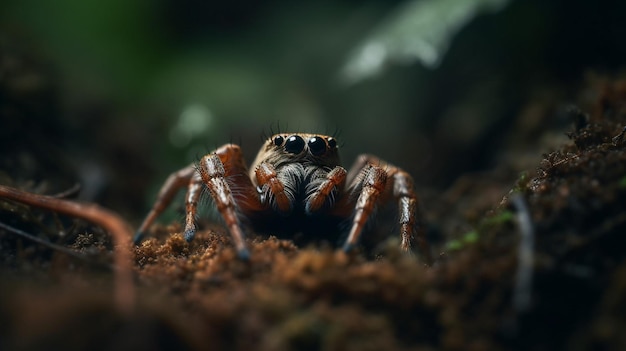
(470, 237)
(523, 178)
(522, 182)
(622, 183)
(473, 235)
(457, 244)
(454, 245)
(502, 217)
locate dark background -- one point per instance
(94, 94)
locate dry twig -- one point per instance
(113, 223)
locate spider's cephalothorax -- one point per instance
(290, 169)
(295, 183)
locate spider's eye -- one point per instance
(294, 144)
(278, 140)
(332, 143)
(317, 146)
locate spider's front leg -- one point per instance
(374, 181)
(222, 171)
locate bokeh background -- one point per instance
(116, 94)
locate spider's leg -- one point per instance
(194, 190)
(171, 186)
(401, 188)
(410, 216)
(214, 169)
(371, 185)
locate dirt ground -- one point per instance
(535, 264)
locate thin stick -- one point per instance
(618, 138)
(69, 192)
(524, 275)
(112, 222)
(45, 243)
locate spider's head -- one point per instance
(300, 147)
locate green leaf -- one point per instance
(419, 30)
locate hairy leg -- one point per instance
(172, 185)
(400, 187)
(410, 217)
(220, 172)
(224, 173)
(194, 190)
(370, 185)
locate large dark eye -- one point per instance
(317, 146)
(294, 144)
(278, 140)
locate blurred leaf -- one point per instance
(420, 30)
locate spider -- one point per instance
(295, 184)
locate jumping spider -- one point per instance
(295, 184)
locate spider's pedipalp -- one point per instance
(274, 192)
(324, 192)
